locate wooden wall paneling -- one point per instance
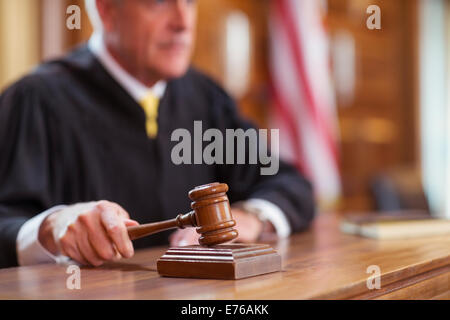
(379, 129)
(209, 53)
(19, 38)
(57, 39)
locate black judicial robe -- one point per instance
(70, 133)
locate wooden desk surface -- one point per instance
(319, 263)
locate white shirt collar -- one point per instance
(135, 88)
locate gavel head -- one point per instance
(213, 214)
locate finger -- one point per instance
(117, 255)
(69, 248)
(248, 226)
(185, 238)
(130, 223)
(104, 205)
(122, 213)
(96, 235)
(116, 230)
(178, 238)
(87, 251)
(75, 255)
(80, 252)
(174, 238)
(100, 241)
(193, 239)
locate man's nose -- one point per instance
(183, 14)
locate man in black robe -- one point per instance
(85, 145)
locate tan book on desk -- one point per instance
(395, 227)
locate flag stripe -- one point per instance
(288, 118)
(303, 95)
(282, 8)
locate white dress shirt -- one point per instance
(30, 251)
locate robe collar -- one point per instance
(133, 86)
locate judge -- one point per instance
(85, 145)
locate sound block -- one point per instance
(225, 261)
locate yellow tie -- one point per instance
(150, 105)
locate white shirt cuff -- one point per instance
(29, 250)
(269, 211)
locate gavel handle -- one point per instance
(181, 221)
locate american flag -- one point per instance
(304, 103)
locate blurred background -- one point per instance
(363, 104)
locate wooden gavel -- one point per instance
(211, 215)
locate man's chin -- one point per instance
(174, 72)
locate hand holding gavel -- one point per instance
(211, 215)
(95, 232)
